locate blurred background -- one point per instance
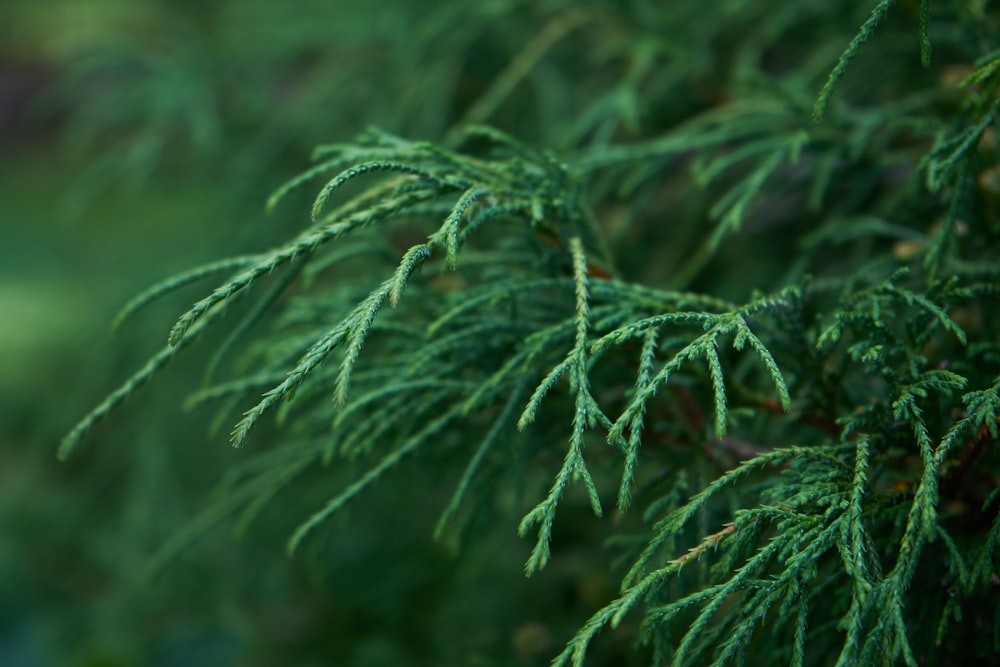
(141, 138)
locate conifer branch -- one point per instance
(177, 282)
(520, 318)
(864, 34)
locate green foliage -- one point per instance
(831, 303)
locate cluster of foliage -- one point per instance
(745, 292)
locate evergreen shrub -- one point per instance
(725, 275)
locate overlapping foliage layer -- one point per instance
(762, 310)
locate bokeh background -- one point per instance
(140, 138)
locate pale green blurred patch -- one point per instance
(37, 318)
(59, 28)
